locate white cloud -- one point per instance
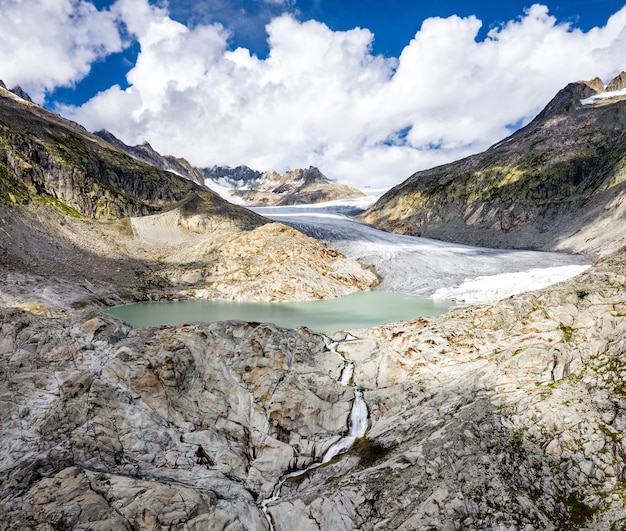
(322, 98)
(49, 43)
(284, 3)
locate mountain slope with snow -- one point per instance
(243, 185)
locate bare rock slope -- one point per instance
(84, 223)
(504, 416)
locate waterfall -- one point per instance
(346, 373)
(359, 422)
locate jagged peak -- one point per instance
(583, 92)
(596, 84)
(309, 175)
(568, 99)
(614, 91)
(20, 93)
(617, 83)
(16, 91)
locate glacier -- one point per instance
(426, 267)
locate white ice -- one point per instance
(425, 267)
(496, 287)
(603, 96)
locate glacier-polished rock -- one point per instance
(501, 416)
(108, 427)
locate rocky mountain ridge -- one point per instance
(295, 187)
(18, 91)
(556, 184)
(254, 188)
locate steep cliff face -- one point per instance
(556, 184)
(44, 158)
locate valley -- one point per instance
(508, 413)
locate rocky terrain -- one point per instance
(556, 184)
(503, 416)
(296, 187)
(83, 223)
(254, 188)
(509, 415)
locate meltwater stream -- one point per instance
(359, 422)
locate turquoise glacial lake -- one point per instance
(358, 310)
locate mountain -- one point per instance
(296, 187)
(83, 222)
(254, 188)
(510, 415)
(17, 90)
(147, 154)
(46, 159)
(556, 184)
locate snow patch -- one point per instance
(603, 96)
(495, 287)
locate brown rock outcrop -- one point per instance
(596, 84)
(617, 83)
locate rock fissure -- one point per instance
(357, 425)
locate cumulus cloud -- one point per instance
(45, 44)
(321, 97)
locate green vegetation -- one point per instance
(13, 191)
(548, 168)
(576, 512)
(64, 169)
(567, 331)
(531, 179)
(44, 199)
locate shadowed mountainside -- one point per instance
(295, 187)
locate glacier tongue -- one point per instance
(424, 267)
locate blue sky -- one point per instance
(369, 91)
(393, 22)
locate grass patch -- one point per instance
(576, 512)
(567, 332)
